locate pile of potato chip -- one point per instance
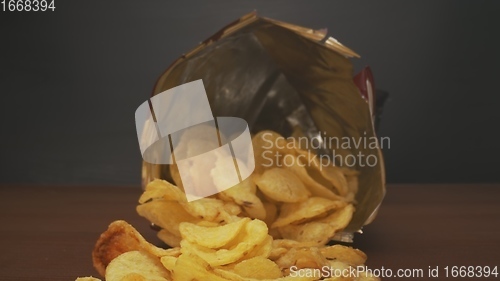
(275, 225)
(305, 202)
(241, 250)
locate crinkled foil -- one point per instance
(275, 76)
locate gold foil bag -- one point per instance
(276, 76)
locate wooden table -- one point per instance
(48, 232)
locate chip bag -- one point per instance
(297, 82)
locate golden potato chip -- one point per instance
(352, 185)
(268, 147)
(166, 214)
(311, 158)
(197, 172)
(298, 212)
(228, 274)
(211, 223)
(87, 279)
(340, 268)
(343, 267)
(258, 268)
(253, 234)
(133, 277)
(317, 189)
(281, 247)
(196, 140)
(169, 262)
(189, 267)
(119, 238)
(271, 213)
(301, 258)
(276, 253)
(262, 250)
(282, 185)
(243, 194)
(169, 238)
(140, 263)
(212, 237)
(348, 172)
(216, 257)
(162, 189)
(335, 176)
(317, 232)
(211, 209)
(340, 218)
(231, 208)
(288, 244)
(349, 255)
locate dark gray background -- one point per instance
(70, 81)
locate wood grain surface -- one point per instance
(48, 232)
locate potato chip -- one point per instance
(87, 279)
(340, 218)
(324, 174)
(282, 246)
(271, 213)
(317, 189)
(298, 212)
(301, 258)
(266, 269)
(121, 237)
(276, 253)
(133, 277)
(339, 268)
(253, 234)
(243, 194)
(311, 157)
(288, 244)
(335, 176)
(139, 263)
(262, 250)
(282, 185)
(349, 255)
(166, 214)
(162, 189)
(349, 171)
(212, 237)
(317, 232)
(211, 209)
(169, 262)
(352, 185)
(268, 147)
(189, 267)
(197, 171)
(211, 223)
(195, 140)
